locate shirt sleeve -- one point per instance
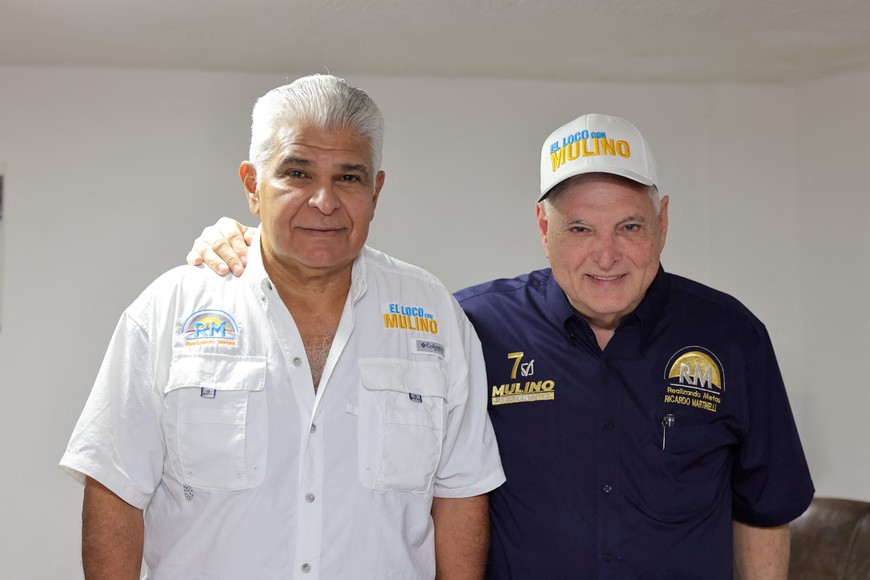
(470, 463)
(771, 480)
(117, 439)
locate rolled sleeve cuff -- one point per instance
(79, 467)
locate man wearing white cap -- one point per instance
(638, 412)
(644, 427)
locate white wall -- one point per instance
(2, 236)
(833, 151)
(110, 174)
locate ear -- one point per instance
(663, 221)
(543, 225)
(379, 183)
(248, 175)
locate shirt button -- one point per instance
(606, 488)
(309, 497)
(313, 428)
(607, 556)
(306, 567)
(609, 363)
(266, 286)
(297, 361)
(608, 424)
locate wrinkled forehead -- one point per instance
(338, 140)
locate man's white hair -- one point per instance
(324, 101)
(651, 190)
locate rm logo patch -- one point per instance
(695, 378)
(210, 327)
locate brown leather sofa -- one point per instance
(831, 541)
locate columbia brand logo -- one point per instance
(429, 346)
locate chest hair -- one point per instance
(317, 340)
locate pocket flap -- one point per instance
(391, 374)
(217, 371)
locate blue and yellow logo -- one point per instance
(586, 144)
(402, 317)
(210, 327)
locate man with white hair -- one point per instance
(321, 416)
(647, 430)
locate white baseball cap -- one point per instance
(596, 144)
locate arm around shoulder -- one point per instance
(113, 532)
(222, 247)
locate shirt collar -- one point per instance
(358, 275)
(651, 309)
(558, 307)
(255, 272)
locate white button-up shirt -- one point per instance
(204, 415)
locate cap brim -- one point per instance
(602, 168)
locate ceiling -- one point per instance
(693, 41)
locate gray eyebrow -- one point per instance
(290, 160)
(294, 161)
(354, 167)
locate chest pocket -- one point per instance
(691, 472)
(215, 422)
(401, 413)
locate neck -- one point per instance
(306, 288)
(293, 278)
(602, 327)
(602, 335)
(312, 294)
(315, 301)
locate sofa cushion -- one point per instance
(831, 540)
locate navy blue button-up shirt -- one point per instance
(632, 462)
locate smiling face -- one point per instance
(316, 198)
(603, 239)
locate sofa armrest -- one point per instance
(831, 540)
